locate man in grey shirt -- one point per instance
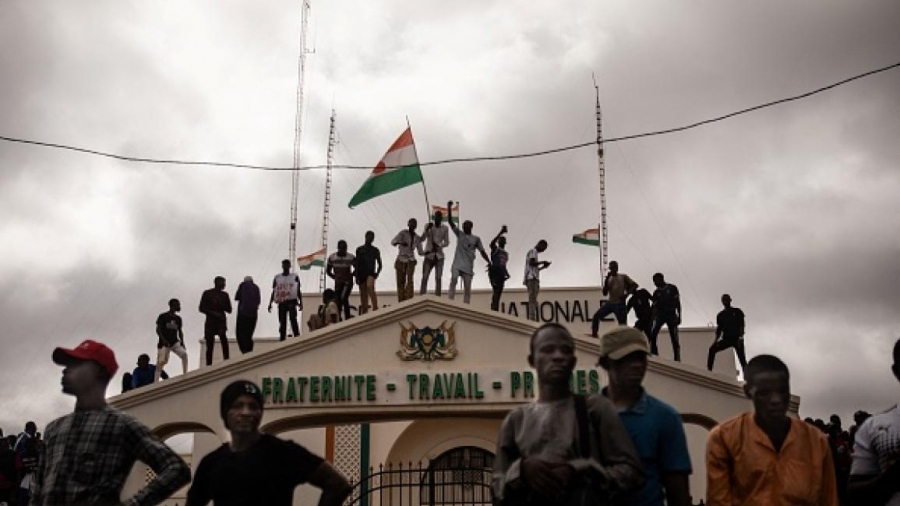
(562, 448)
(464, 259)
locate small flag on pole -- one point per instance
(398, 169)
(443, 210)
(307, 262)
(591, 237)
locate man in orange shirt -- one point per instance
(766, 457)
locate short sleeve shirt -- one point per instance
(877, 446)
(342, 266)
(658, 436)
(532, 271)
(168, 324)
(265, 474)
(666, 300)
(731, 322)
(366, 261)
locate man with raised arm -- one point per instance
(497, 272)
(464, 258)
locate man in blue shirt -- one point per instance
(144, 373)
(655, 427)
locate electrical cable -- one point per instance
(450, 160)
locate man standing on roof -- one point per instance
(88, 454)
(286, 293)
(497, 272)
(248, 299)
(464, 259)
(214, 304)
(407, 242)
(533, 268)
(340, 269)
(366, 270)
(617, 287)
(729, 333)
(435, 238)
(171, 338)
(666, 311)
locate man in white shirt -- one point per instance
(464, 259)
(533, 268)
(406, 241)
(435, 238)
(875, 475)
(286, 293)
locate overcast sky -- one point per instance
(792, 210)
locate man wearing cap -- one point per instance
(259, 469)
(88, 454)
(654, 426)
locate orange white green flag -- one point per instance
(307, 262)
(443, 210)
(591, 237)
(398, 169)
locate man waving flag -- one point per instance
(398, 169)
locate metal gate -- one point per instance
(461, 476)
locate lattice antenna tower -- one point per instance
(601, 166)
(298, 132)
(325, 214)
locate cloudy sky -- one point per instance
(793, 210)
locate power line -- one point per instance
(451, 160)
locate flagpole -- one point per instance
(424, 188)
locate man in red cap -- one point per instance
(88, 454)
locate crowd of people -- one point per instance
(623, 446)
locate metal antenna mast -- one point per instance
(325, 220)
(298, 133)
(604, 232)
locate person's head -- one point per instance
(659, 280)
(768, 386)
(286, 266)
(438, 217)
(126, 382)
(541, 246)
(501, 241)
(614, 267)
(552, 354)
(241, 407)
(143, 360)
(412, 224)
(860, 416)
(370, 237)
(174, 305)
(896, 366)
(809, 420)
(87, 368)
(726, 300)
(467, 227)
(342, 247)
(835, 422)
(328, 295)
(248, 279)
(30, 428)
(219, 283)
(643, 294)
(623, 354)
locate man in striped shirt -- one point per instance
(88, 454)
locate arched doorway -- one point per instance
(458, 476)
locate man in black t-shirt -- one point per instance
(367, 267)
(171, 339)
(666, 311)
(729, 333)
(258, 469)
